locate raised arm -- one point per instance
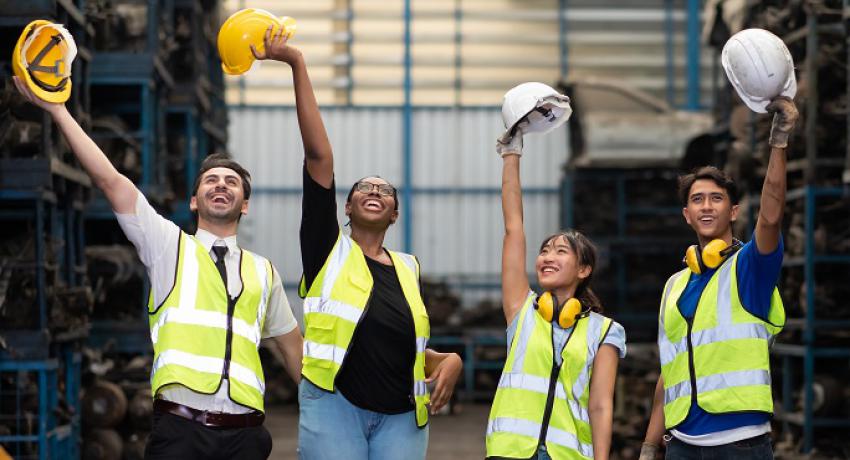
(318, 154)
(514, 276)
(769, 223)
(118, 189)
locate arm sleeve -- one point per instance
(616, 337)
(758, 275)
(156, 241)
(279, 317)
(319, 226)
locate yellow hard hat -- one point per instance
(244, 28)
(42, 59)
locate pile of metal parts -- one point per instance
(148, 88)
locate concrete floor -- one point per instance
(452, 437)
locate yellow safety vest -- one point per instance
(516, 425)
(720, 359)
(334, 305)
(189, 329)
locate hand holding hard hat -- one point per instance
(243, 36)
(530, 108)
(761, 70)
(42, 61)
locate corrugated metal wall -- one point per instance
(456, 221)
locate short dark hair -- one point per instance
(711, 173)
(354, 186)
(221, 160)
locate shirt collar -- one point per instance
(207, 239)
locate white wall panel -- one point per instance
(457, 221)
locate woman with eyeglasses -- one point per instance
(555, 396)
(366, 367)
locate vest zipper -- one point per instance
(691, 367)
(231, 306)
(553, 380)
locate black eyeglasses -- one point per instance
(367, 187)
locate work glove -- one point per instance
(507, 144)
(784, 117)
(648, 451)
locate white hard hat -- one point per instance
(760, 67)
(539, 107)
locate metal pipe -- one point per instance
(407, 144)
(562, 37)
(669, 48)
(812, 97)
(693, 18)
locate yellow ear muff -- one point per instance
(569, 313)
(692, 259)
(711, 256)
(714, 253)
(545, 305)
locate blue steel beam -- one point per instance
(693, 18)
(407, 128)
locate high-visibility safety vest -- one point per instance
(201, 336)
(720, 358)
(335, 303)
(539, 402)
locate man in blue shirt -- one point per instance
(710, 202)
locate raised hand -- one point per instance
(50, 107)
(275, 47)
(784, 117)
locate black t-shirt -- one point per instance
(377, 374)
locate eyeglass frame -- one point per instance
(383, 189)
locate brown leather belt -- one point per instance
(211, 419)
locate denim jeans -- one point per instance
(757, 448)
(331, 428)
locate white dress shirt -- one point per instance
(156, 240)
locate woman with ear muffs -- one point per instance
(555, 395)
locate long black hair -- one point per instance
(586, 252)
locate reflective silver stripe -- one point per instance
(262, 268)
(724, 295)
(335, 263)
(518, 380)
(199, 363)
(323, 351)
(532, 430)
(513, 425)
(527, 329)
(204, 318)
(568, 440)
(537, 384)
(410, 261)
(189, 275)
(246, 376)
(420, 388)
(594, 332)
(713, 335)
(718, 382)
(332, 307)
(421, 344)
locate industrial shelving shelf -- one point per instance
(810, 326)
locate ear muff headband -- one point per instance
(711, 256)
(548, 307)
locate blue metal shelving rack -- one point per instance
(810, 325)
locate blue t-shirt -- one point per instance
(757, 276)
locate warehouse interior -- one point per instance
(412, 90)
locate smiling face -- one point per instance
(710, 211)
(558, 265)
(220, 197)
(372, 208)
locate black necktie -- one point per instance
(220, 251)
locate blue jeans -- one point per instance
(331, 428)
(757, 448)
